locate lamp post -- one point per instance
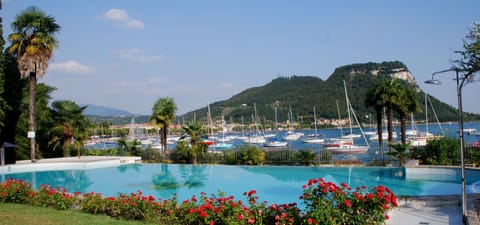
(460, 84)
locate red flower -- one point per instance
(240, 217)
(203, 214)
(133, 204)
(347, 203)
(252, 192)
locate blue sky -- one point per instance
(126, 54)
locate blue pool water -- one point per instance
(274, 184)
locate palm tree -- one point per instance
(400, 152)
(132, 148)
(195, 131)
(391, 92)
(407, 103)
(70, 126)
(373, 99)
(163, 113)
(33, 43)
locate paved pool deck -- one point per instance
(84, 162)
(431, 210)
(434, 210)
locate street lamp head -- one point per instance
(434, 82)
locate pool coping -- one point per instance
(75, 163)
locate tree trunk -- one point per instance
(403, 127)
(390, 123)
(67, 142)
(32, 113)
(164, 137)
(379, 131)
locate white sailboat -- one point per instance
(350, 148)
(292, 135)
(277, 142)
(315, 137)
(257, 137)
(421, 138)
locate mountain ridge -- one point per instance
(298, 94)
(105, 111)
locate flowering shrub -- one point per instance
(14, 191)
(326, 203)
(56, 198)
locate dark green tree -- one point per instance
(197, 146)
(131, 148)
(70, 127)
(373, 99)
(400, 151)
(407, 103)
(163, 113)
(33, 43)
(3, 104)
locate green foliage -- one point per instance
(229, 157)
(469, 62)
(14, 191)
(443, 151)
(69, 127)
(399, 151)
(56, 198)
(251, 155)
(163, 113)
(305, 157)
(129, 148)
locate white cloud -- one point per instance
(138, 55)
(122, 19)
(116, 15)
(72, 67)
(137, 24)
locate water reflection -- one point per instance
(194, 175)
(134, 167)
(72, 180)
(165, 180)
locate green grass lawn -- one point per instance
(23, 214)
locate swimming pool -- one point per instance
(274, 184)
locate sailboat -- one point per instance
(337, 142)
(315, 137)
(257, 137)
(421, 138)
(292, 135)
(350, 148)
(276, 142)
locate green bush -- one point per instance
(305, 157)
(251, 155)
(443, 151)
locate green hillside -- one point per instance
(301, 93)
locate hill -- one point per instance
(103, 111)
(299, 94)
